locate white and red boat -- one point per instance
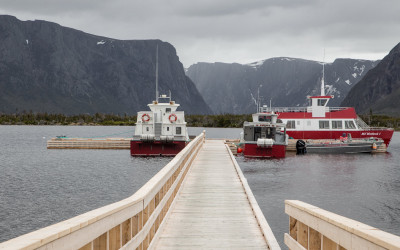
(161, 131)
(318, 121)
(264, 137)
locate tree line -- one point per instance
(219, 121)
(31, 118)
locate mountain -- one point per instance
(45, 67)
(379, 90)
(233, 88)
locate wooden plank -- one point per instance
(293, 227)
(126, 231)
(100, 243)
(328, 244)
(135, 225)
(292, 243)
(302, 234)
(114, 238)
(314, 239)
(212, 209)
(86, 247)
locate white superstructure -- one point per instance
(161, 123)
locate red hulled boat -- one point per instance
(318, 121)
(264, 137)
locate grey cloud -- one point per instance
(232, 30)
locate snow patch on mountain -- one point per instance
(330, 90)
(255, 65)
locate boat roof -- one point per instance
(342, 113)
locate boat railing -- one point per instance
(361, 123)
(289, 109)
(304, 109)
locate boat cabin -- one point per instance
(162, 122)
(319, 105)
(264, 126)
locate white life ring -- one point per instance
(145, 118)
(172, 118)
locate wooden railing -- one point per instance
(314, 228)
(258, 214)
(129, 224)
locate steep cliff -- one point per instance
(233, 88)
(379, 90)
(45, 67)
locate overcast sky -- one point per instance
(231, 30)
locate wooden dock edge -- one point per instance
(163, 223)
(311, 227)
(262, 222)
(128, 224)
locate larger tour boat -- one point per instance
(318, 121)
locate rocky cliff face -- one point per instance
(379, 90)
(45, 67)
(233, 88)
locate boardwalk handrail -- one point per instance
(314, 228)
(262, 222)
(130, 222)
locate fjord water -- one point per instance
(39, 187)
(363, 187)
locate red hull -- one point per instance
(276, 151)
(385, 134)
(156, 148)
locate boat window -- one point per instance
(349, 125)
(291, 124)
(324, 124)
(147, 128)
(337, 125)
(321, 102)
(167, 128)
(178, 130)
(298, 122)
(264, 118)
(308, 123)
(168, 110)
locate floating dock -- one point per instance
(89, 143)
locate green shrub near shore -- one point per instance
(219, 121)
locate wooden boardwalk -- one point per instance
(212, 209)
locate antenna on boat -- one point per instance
(270, 105)
(157, 75)
(170, 96)
(258, 98)
(323, 77)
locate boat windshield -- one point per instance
(264, 118)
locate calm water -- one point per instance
(363, 187)
(39, 187)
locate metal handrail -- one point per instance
(303, 109)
